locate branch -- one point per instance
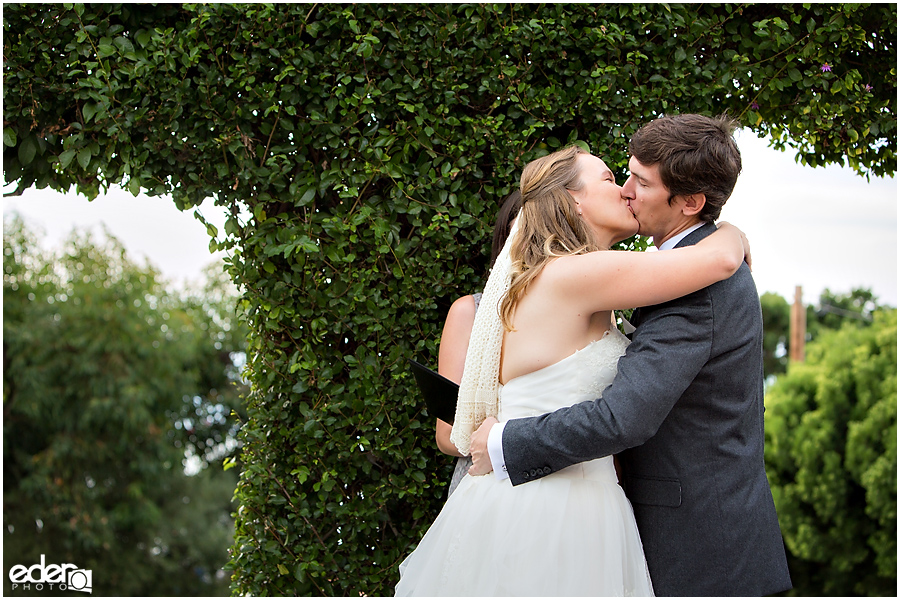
(17, 192)
(262, 161)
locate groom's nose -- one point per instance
(628, 188)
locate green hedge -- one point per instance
(831, 457)
(363, 151)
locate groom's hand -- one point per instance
(481, 460)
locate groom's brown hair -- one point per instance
(696, 154)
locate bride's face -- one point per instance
(601, 204)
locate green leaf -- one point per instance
(27, 150)
(134, 186)
(84, 157)
(307, 197)
(143, 37)
(105, 50)
(9, 136)
(124, 44)
(307, 245)
(583, 145)
(231, 226)
(65, 158)
(88, 111)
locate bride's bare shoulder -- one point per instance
(574, 265)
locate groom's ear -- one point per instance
(693, 204)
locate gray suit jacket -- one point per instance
(685, 415)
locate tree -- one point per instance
(833, 311)
(207, 424)
(362, 151)
(831, 457)
(99, 361)
(776, 333)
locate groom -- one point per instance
(685, 412)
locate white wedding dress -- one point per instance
(571, 533)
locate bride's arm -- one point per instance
(610, 280)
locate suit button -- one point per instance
(547, 470)
(534, 472)
(525, 475)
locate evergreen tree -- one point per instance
(831, 458)
(776, 314)
(100, 365)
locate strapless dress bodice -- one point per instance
(578, 377)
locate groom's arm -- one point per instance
(667, 352)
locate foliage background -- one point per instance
(832, 311)
(831, 458)
(109, 382)
(370, 146)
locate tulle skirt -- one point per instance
(571, 533)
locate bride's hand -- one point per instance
(744, 241)
(481, 459)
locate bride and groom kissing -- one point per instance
(551, 391)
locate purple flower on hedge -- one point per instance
(867, 87)
(826, 67)
(754, 105)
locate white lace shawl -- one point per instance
(479, 389)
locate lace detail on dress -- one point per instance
(452, 552)
(602, 361)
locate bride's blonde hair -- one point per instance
(551, 226)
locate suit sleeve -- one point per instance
(669, 348)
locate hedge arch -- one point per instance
(362, 151)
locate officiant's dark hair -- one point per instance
(696, 154)
(506, 215)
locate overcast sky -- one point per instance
(816, 228)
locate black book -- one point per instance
(440, 393)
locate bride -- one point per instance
(550, 343)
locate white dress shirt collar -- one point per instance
(673, 241)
